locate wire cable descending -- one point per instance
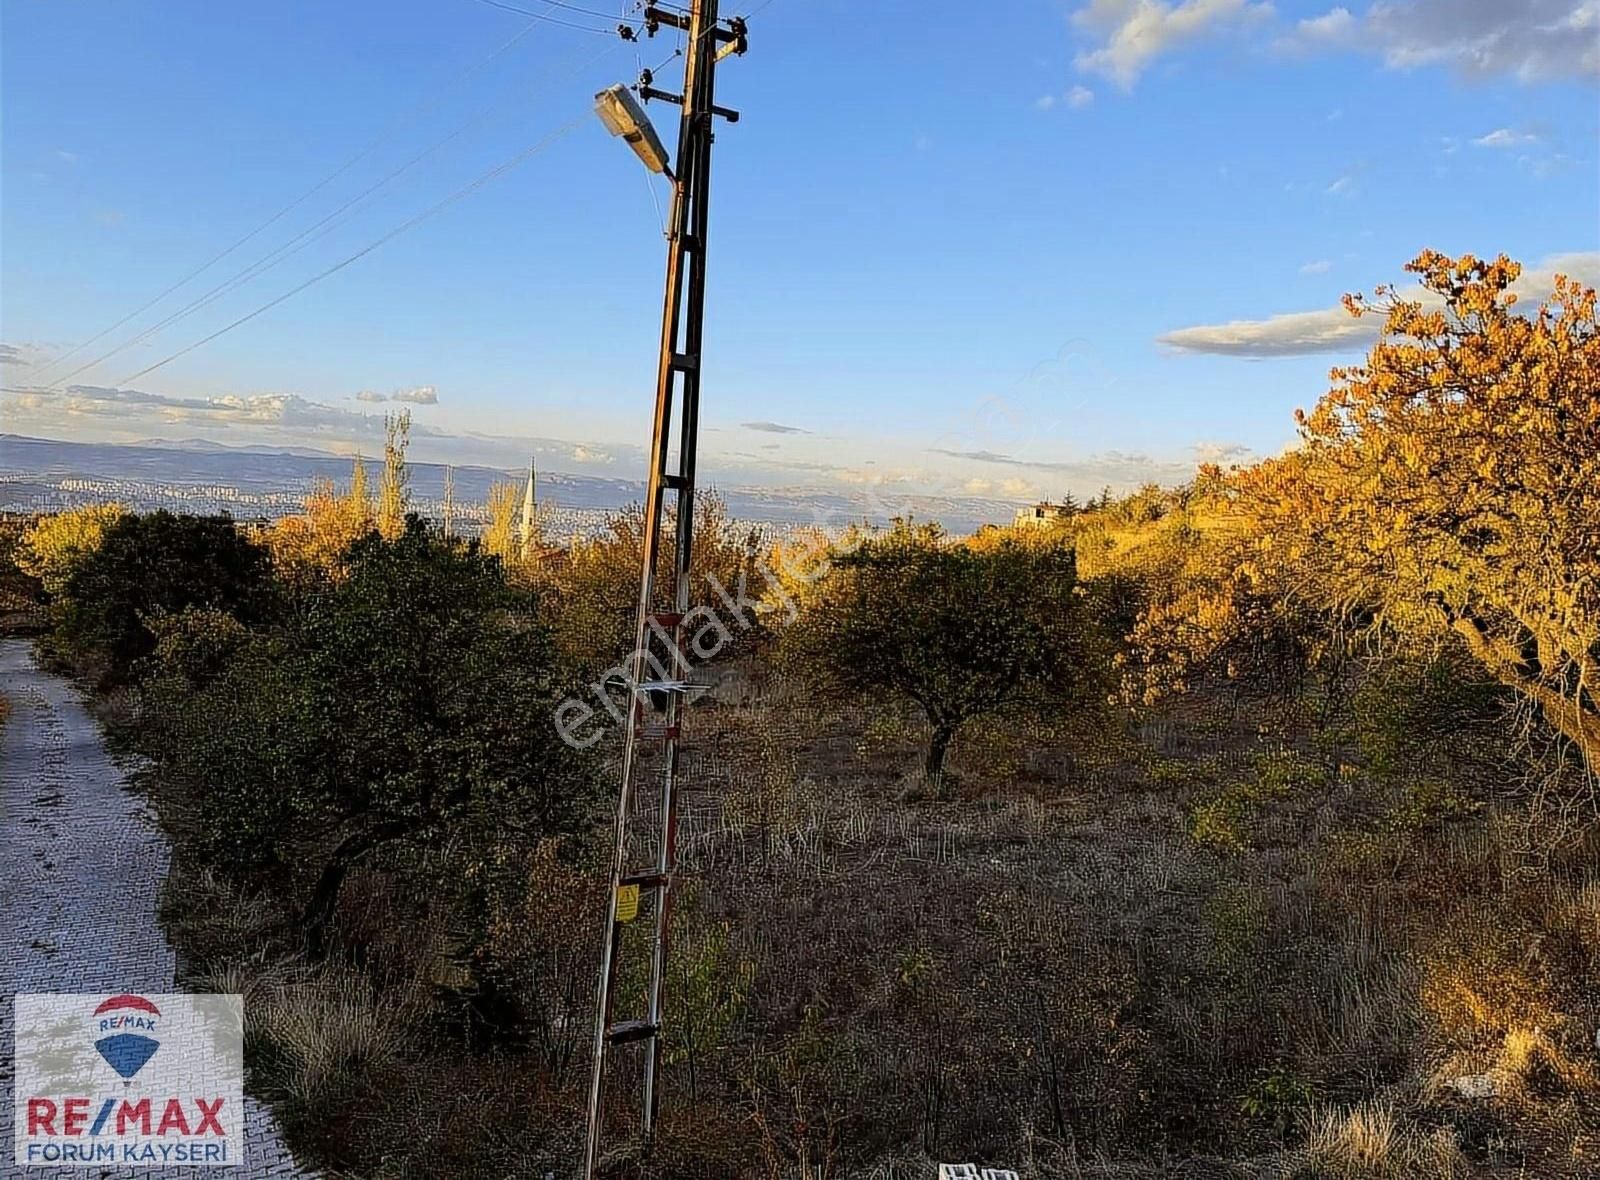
(421, 108)
(466, 190)
(565, 24)
(307, 236)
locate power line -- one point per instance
(427, 213)
(465, 190)
(427, 103)
(565, 24)
(627, 9)
(312, 233)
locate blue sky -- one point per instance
(1007, 249)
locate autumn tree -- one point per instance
(1180, 576)
(500, 534)
(597, 585)
(394, 495)
(358, 499)
(1450, 486)
(316, 541)
(54, 544)
(959, 631)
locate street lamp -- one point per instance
(623, 115)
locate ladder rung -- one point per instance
(666, 620)
(682, 687)
(658, 733)
(685, 362)
(646, 878)
(676, 482)
(624, 1031)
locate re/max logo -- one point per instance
(71, 1116)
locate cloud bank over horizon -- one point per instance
(1531, 41)
(91, 413)
(1334, 330)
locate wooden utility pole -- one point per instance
(644, 858)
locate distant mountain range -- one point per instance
(215, 448)
(33, 469)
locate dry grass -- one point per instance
(1373, 1141)
(330, 1028)
(1044, 971)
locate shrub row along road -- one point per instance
(84, 863)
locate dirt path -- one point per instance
(83, 866)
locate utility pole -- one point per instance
(644, 862)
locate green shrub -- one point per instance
(1221, 822)
(1431, 803)
(406, 708)
(149, 566)
(1280, 1099)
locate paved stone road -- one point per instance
(83, 866)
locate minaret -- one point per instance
(529, 528)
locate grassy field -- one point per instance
(1243, 938)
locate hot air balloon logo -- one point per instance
(125, 1033)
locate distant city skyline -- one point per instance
(1012, 251)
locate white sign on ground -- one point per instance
(129, 1080)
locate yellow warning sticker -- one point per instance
(627, 902)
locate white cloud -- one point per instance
(1133, 33)
(1504, 137)
(422, 395)
(1320, 266)
(1117, 468)
(1292, 334)
(1077, 98)
(1336, 27)
(28, 355)
(273, 412)
(1333, 329)
(1530, 40)
(1222, 453)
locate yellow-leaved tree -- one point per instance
(54, 544)
(394, 493)
(1451, 484)
(1446, 490)
(500, 534)
(318, 539)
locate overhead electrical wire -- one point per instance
(426, 104)
(465, 190)
(306, 237)
(565, 24)
(410, 223)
